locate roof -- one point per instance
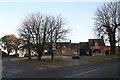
(63, 42)
(75, 43)
(84, 45)
(96, 42)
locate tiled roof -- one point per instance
(84, 45)
(98, 42)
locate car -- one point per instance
(75, 56)
(26, 55)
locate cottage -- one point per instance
(97, 47)
(92, 47)
(64, 48)
(67, 48)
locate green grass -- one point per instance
(18, 59)
(58, 60)
(98, 57)
(49, 57)
(46, 60)
(25, 58)
(118, 53)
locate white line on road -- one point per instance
(88, 71)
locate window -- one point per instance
(64, 46)
(96, 43)
(96, 51)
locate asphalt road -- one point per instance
(102, 69)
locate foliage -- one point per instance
(10, 42)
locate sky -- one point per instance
(78, 16)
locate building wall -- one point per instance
(103, 50)
(65, 51)
(67, 48)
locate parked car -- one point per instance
(27, 55)
(75, 56)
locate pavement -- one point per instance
(101, 69)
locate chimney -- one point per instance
(70, 41)
(70, 44)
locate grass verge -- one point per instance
(46, 60)
(33, 58)
(62, 61)
(98, 57)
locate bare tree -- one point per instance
(40, 29)
(33, 30)
(107, 20)
(56, 31)
(25, 35)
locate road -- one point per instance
(102, 69)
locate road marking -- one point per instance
(84, 72)
(40, 68)
(88, 71)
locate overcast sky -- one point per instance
(78, 16)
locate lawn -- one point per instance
(61, 61)
(46, 60)
(33, 58)
(98, 57)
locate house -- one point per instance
(63, 48)
(84, 48)
(75, 47)
(97, 47)
(94, 47)
(67, 48)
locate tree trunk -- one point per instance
(8, 53)
(16, 53)
(51, 52)
(29, 52)
(39, 56)
(40, 52)
(112, 48)
(52, 55)
(112, 43)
